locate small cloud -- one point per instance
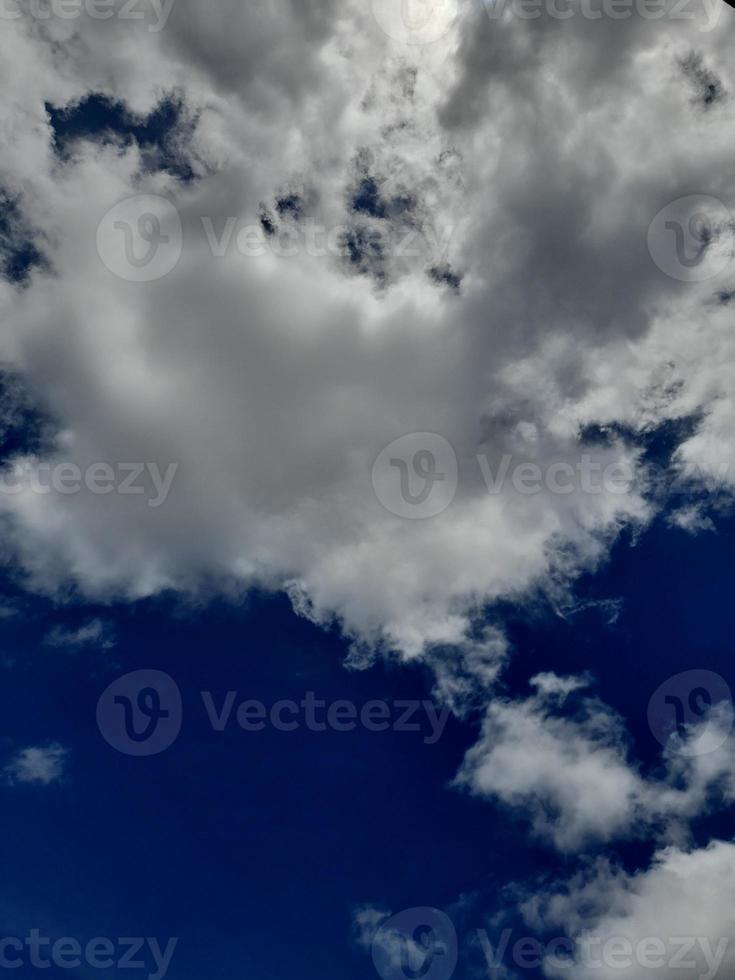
(550, 685)
(94, 633)
(36, 765)
(8, 609)
(366, 921)
(690, 519)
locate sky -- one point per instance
(366, 489)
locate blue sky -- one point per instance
(366, 490)
(256, 849)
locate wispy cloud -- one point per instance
(95, 633)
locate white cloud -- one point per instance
(274, 383)
(673, 917)
(366, 920)
(39, 765)
(530, 156)
(570, 773)
(691, 519)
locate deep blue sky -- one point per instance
(255, 848)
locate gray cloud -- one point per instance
(530, 157)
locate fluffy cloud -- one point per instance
(568, 768)
(522, 162)
(674, 916)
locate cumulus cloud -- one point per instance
(674, 916)
(473, 240)
(469, 220)
(567, 767)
